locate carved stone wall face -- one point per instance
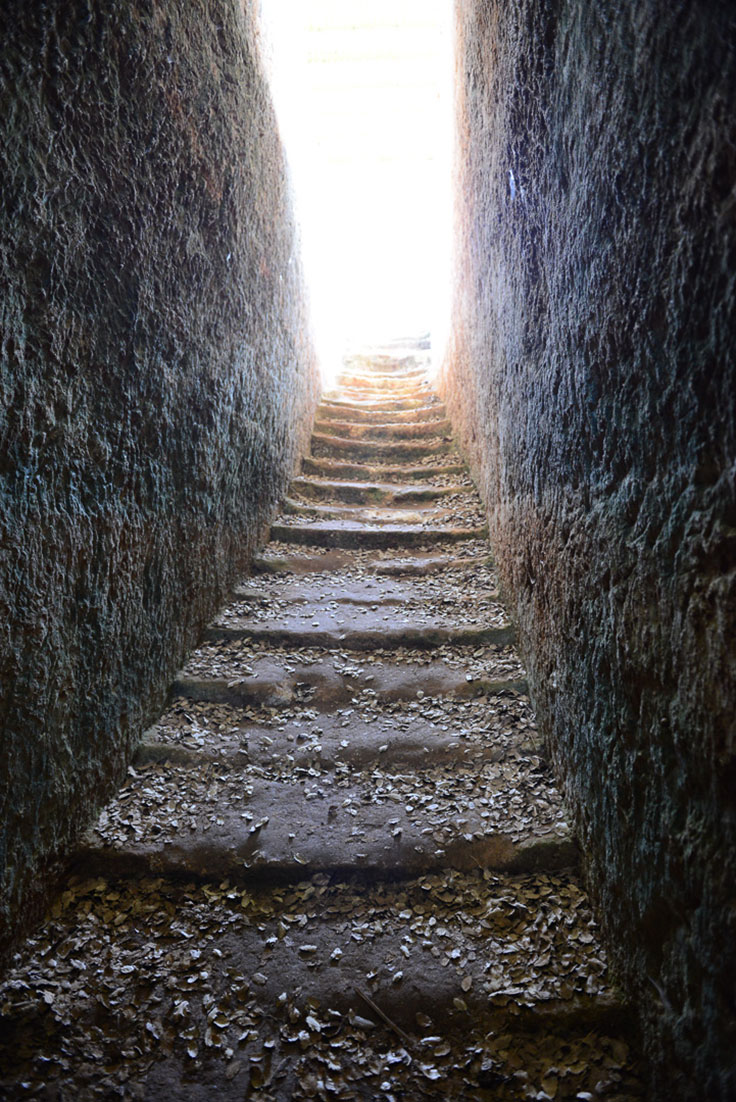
(592, 377)
(156, 379)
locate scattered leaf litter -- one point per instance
(123, 976)
(235, 659)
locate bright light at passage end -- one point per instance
(363, 95)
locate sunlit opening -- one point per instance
(362, 90)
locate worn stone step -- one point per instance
(345, 533)
(376, 430)
(407, 565)
(327, 411)
(390, 366)
(386, 493)
(372, 472)
(345, 601)
(376, 405)
(188, 740)
(380, 383)
(397, 370)
(218, 820)
(462, 510)
(301, 737)
(362, 375)
(467, 588)
(363, 514)
(430, 564)
(272, 685)
(396, 353)
(254, 745)
(242, 672)
(354, 606)
(328, 446)
(214, 991)
(376, 399)
(292, 633)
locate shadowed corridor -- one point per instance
(373, 740)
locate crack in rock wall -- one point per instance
(156, 381)
(591, 377)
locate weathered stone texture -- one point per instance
(156, 379)
(592, 379)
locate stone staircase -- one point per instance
(339, 867)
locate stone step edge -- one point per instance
(371, 513)
(347, 411)
(405, 567)
(322, 445)
(369, 640)
(375, 431)
(262, 597)
(380, 375)
(348, 534)
(370, 472)
(404, 388)
(383, 388)
(351, 380)
(152, 749)
(372, 368)
(209, 863)
(246, 691)
(316, 489)
(374, 405)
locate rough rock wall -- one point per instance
(156, 382)
(592, 381)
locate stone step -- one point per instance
(220, 820)
(382, 384)
(363, 514)
(326, 445)
(401, 472)
(194, 734)
(385, 493)
(292, 633)
(360, 375)
(363, 403)
(463, 509)
(391, 368)
(273, 683)
(468, 587)
(302, 736)
(389, 365)
(379, 397)
(350, 379)
(359, 430)
(276, 721)
(272, 687)
(375, 382)
(354, 612)
(424, 564)
(340, 412)
(270, 991)
(433, 563)
(350, 534)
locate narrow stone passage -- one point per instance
(339, 867)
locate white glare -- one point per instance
(362, 91)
